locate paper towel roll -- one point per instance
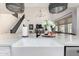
(25, 31)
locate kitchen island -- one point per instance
(6, 40)
(41, 46)
(16, 45)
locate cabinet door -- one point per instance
(38, 51)
(72, 51)
(4, 51)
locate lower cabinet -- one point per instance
(5, 51)
(38, 51)
(31, 51)
(71, 50)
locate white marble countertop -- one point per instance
(72, 41)
(16, 40)
(36, 42)
(32, 41)
(8, 39)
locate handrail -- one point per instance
(15, 28)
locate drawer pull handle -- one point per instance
(77, 51)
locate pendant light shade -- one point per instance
(15, 7)
(57, 7)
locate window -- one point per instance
(70, 28)
(56, 28)
(62, 28)
(65, 24)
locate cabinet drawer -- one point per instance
(72, 51)
(4, 51)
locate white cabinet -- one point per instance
(37, 47)
(38, 51)
(4, 51)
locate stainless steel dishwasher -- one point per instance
(71, 51)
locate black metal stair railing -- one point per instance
(15, 28)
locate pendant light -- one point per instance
(15, 7)
(57, 7)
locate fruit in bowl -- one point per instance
(50, 33)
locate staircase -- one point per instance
(15, 28)
(16, 8)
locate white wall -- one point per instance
(74, 21)
(34, 15)
(3, 9)
(77, 21)
(6, 22)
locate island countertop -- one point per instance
(16, 40)
(8, 39)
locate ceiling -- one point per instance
(54, 16)
(36, 4)
(4, 10)
(73, 5)
(46, 4)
